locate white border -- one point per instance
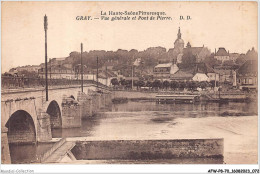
(132, 168)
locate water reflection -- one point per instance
(27, 153)
(87, 128)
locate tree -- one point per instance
(156, 84)
(128, 84)
(192, 85)
(174, 85)
(123, 82)
(148, 84)
(114, 82)
(166, 84)
(140, 83)
(182, 85)
(203, 84)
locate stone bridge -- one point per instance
(26, 116)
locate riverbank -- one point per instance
(124, 96)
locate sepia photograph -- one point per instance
(94, 82)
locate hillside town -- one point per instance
(181, 67)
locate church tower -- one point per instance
(178, 47)
(179, 43)
(179, 34)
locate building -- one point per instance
(58, 72)
(165, 70)
(177, 52)
(227, 74)
(195, 72)
(108, 75)
(209, 71)
(233, 56)
(179, 43)
(199, 77)
(56, 61)
(29, 68)
(247, 75)
(182, 75)
(222, 54)
(199, 52)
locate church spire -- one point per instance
(179, 33)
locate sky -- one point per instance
(232, 25)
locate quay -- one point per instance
(72, 150)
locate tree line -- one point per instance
(162, 85)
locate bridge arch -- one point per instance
(21, 128)
(54, 111)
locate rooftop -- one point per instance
(194, 50)
(222, 52)
(182, 75)
(163, 65)
(248, 68)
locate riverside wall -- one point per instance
(148, 149)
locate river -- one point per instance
(235, 122)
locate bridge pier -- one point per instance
(71, 116)
(44, 127)
(108, 99)
(95, 102)
(86, 104)
(5, 152)
(102, 101)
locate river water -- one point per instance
(235, 122)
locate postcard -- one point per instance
(129, 82)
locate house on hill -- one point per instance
(199, 77)
(165, 70)
(247, 75)
(195, 72)
(227, 74)
(199, 52)
(182, 75)
(234, 56)
(108, 75)
(222, 54)
(57, 72)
